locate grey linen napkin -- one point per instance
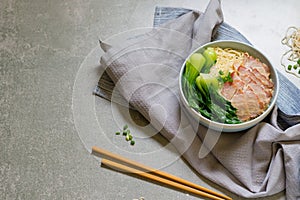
(259, 162)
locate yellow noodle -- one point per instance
(227, 58)
(292, 40)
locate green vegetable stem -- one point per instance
(194, 65)
(211, 57)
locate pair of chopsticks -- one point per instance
(118, 162)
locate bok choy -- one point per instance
(201, 89)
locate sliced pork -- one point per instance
(251, 89)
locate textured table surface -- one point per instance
(44, 47)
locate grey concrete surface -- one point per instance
(43, 44)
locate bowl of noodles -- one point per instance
(228, 86)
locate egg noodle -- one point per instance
(292, 40)
(227, 58)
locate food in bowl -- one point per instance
(227, 85)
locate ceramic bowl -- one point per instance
(231, 127)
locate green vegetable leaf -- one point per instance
(193, 66)
(225, 78)
(211, 58)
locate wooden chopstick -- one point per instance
(167, 178)
(177, 185)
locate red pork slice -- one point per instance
(239, 101)
(253, 102)
(264, 95)
(244, 74)
(265, 81)
(230, 88)
(247, 104)
(237, 81)
(248, 74)
(250, 62)
(257, 70)
(228, 91)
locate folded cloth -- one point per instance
(258, 162)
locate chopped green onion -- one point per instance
(127, 137)
(126, 132)
(298, 61)
(289, 67)
(295, 66)
(227, 78)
